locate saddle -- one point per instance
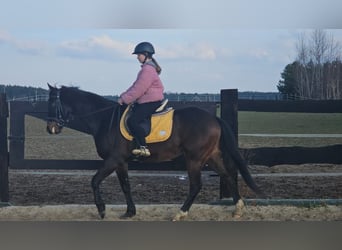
(157, 129)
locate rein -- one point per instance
(96, 111)
(112, 117)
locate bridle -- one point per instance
(61, 120)
(59, 113)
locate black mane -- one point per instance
(86, 97)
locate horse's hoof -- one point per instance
(102, 214)
(180, 216)
(127, 215)
(101, 208)
(237, 215)
(239, 207)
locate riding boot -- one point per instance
(141, 149)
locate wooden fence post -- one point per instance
(4, 185)
(229, 113)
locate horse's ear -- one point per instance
(50, 87)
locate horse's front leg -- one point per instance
(122, 174)
(101, 174)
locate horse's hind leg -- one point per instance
(194, 173)
(122, 174)
(100, 175)
(227, 172)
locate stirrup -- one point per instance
(142, 151)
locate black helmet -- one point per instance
(144, 47)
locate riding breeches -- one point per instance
(141, 112)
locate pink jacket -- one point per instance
(146, 88)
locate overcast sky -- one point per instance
(201, 48)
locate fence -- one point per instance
(39, 110)
(271, 156)
(229, 110)
(15, 156)
(4, 185)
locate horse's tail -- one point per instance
(229, 148)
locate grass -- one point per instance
(70, 144)
(289, 123)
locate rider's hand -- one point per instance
(120, 101)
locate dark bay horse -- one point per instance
(197, 136)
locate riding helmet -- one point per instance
(144, 47)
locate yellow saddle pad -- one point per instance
(161, 126)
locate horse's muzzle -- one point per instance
(53, 128)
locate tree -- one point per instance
(22, 92)
(287, 86)
(317, 70)
(316, 55)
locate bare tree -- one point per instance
(302, 76)
(319, 66)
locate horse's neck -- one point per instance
(95, 117)
(98, 119)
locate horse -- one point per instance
(198, 137)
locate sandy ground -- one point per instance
(165, 212)
(39, 195)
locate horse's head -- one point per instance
(58, 114)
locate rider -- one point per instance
(146, 93)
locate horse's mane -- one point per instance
(83, 95)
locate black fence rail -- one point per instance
(269, 156)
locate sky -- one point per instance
(202, 47)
